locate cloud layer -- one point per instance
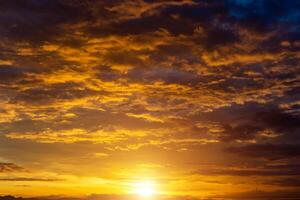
(203, 89)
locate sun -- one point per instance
(145, 188)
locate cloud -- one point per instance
(267, 151)
(12, 74)
(267, 170)
(252, 121)
(54, 13)
(29, 179)
(286, 182)
(54, 93)
(9, 167)
(258, 194)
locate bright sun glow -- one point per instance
(145, 188)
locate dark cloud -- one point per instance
(247, 121)
(106, 73)
(267, 151)
(286, 182)
(12, 74)
(39, 21)
(258, 194)
(279, 120)
(52, 93)
(26, 125)
(168, 76)
(30, 179)
(9, 167)
(242, 132)
(265, 170)
(150, 22)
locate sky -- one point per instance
(185, 99)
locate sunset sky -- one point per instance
(180, 99)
